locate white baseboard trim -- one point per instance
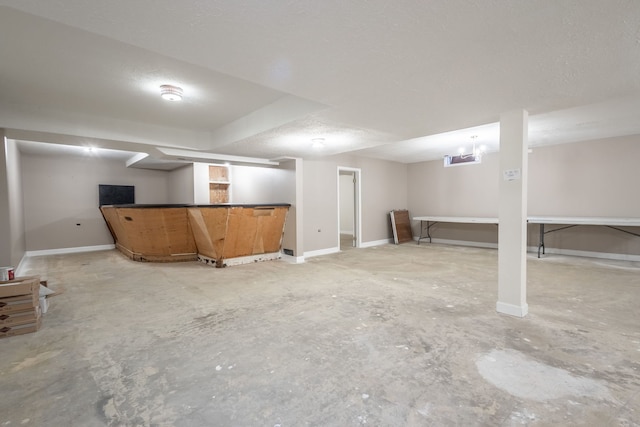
(61, 251)
(588, 254)
(320, 252)
(512, 310)
(329, 251)
(375, 243)
(292, 259)
(534, 249)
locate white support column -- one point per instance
(512, 230)
(5, 214)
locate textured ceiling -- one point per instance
(400, 80)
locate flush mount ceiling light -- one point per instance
(171, 93)
(317, 143)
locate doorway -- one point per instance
(349, 229)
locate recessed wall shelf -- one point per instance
(219, 184)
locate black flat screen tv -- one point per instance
(116, 194)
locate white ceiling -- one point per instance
(406, 81)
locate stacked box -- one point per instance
(19, 306)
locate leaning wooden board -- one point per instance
(401, 226)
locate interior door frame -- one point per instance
(357, 194)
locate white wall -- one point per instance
(12, 243)
(593, 178)
(469, 190)
(16, 202)
(255, 185)
(61, 192)
(5, 218)
(320, 227)
(181, 185)
(201, 184)
(384, 187)
(292, 192)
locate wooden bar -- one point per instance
(217, 234)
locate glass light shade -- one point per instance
(171, 93)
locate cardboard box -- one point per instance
(22, 317)
(19, 279)
(21, 286)
(18, 303)
(12, 330)
(20, 311)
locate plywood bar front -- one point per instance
(216, 234)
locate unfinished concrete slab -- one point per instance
(396, 335)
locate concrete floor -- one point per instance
(386, 336)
